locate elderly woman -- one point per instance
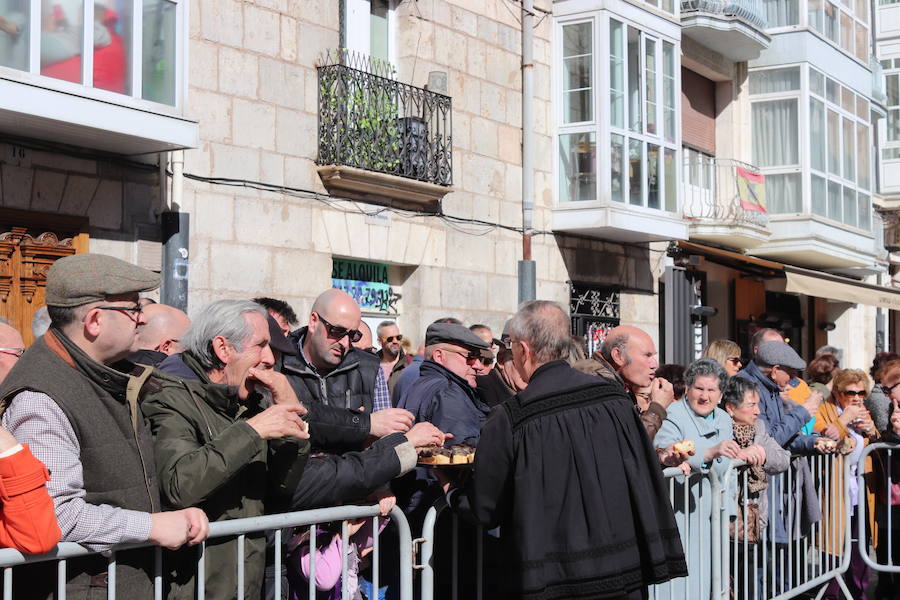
(698, 418)
(844, 418)
(878, 402)
(726, 353)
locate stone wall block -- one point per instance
(198, 160)
(301, 173)
(314, 40)
(271, 168)
(296, 133)
(483, 175)
(397, 240)
(415, 38)
(469, 252)
(477, 62)
(509, 37)
(282, 83)
(106, 207)
(358, 233)
(414, 244)
(428, 284)
(485, 208)
(435, 253)
(464, 21)
(17, 184)
(241, 268)
(204, 64)
(238, 73)
(298, 273)
(510, 145)
(198, 267)
(254, 124)
(506, 257)
(493, 102)
(462, 123)
(262, 33)
(78, 194)
(213, 216)
(289, 29)
(238, 163)
(335, 223)
(461, 290)
(312, 11)
(223, 22)
(215, 113)
(47, 191)
(484, 137)
(450, 48)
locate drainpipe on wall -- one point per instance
(527, 283)
(175, 226)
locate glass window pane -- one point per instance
(112, 45)
(158, 58)
(814, 15)
(831, 22)
(771, 81)
(819, 202)
(864, 217)
(378, 29)
(849, 151)
(669, 115)
(834, 201)
(893, 125)
(577, 73)
(653, 175)
(616, 74)
(62, 34)
(817, 143)
(863, 150)
(834, 143)
(635, 122)
(846, 32)
(862, 108)
(617, 167)
(782, 13)
(850, 206)
(671, 180)
(635, 172)
(14, 34)
(650, 84)
(832, 92)
(862, 10)
(892, 83)
(848, 100)
(774, 127)
(862, 42)
(783, 193)
(816, 82)
(669, 6)
(577, 167)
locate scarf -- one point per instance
(756, 477)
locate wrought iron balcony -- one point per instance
(370, 121)
(733, 28)
(724, 199)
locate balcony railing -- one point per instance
(370, 121)
(751, 11)
(879, 93)
(724, 191)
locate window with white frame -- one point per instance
(836, 131)
(640, 129)
(126, 47)
(367, 27)
(892, 85)
(845, 24)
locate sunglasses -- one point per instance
(391, 338)
(336, 332)
(470, 355)
(735, 360)
(858, 393)
(887, 389)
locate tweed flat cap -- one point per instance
(779, 353)
(451, 333)
(82, 278)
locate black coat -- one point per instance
(567, 471)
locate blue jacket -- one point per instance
(783, 425)
(446, 400)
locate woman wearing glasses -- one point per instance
(844, 418)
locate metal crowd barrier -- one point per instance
(884, 481)
(722, 565)
(10, 558)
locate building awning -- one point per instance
(734, 260)
(842, 289)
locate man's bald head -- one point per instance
(333, 320)
(338, 306)
(11, 346)
(163, 329)
(632, 353)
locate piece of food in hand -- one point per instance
(458, 455)
(826, 444)
(434, 456)
(684, 446)
(846, 445)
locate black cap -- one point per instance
(277, 341)
(451, 333)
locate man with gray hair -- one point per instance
(393, 359)
(219, 443)
(570, 445)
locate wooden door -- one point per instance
(29, 245)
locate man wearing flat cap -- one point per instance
(445, 394)
(80, 417)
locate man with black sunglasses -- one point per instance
(329, 370)
(393, 359)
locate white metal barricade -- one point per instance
(884, 481)
(426, 563)
(238, 528)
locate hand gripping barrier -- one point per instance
(809, 549)
(9, 558)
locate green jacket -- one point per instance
(208, 456)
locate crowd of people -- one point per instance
(127, 422)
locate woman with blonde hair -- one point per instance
(727, 354)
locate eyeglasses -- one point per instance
(336, 332)
(471, 355)
(17, 352)
(128, 310)
(391, 338)
(887, 389)
(859, 393)
(735, 360)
